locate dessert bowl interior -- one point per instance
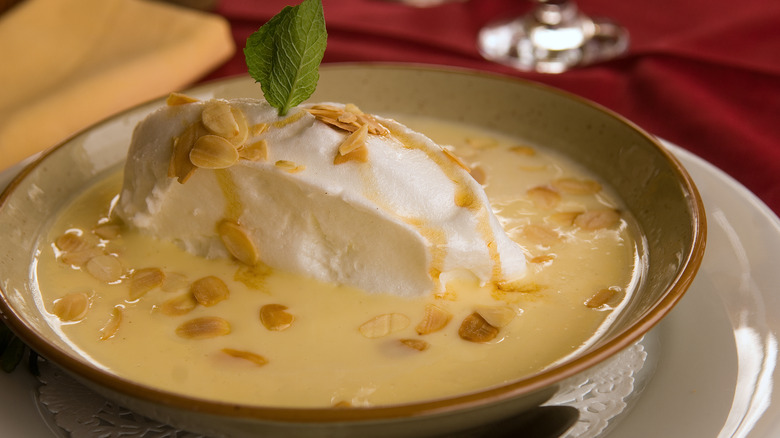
(652, 184)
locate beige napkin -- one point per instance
(67, 64)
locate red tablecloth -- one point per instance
(704, 75)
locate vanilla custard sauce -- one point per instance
(581, 269)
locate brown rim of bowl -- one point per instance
(691, 263)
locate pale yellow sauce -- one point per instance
(323, 359)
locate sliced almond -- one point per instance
(359, 155)
(257, 151)
(180, 166)
(434, 319)
(174, 281)
(597, 219)
(238, 242)
(455, 159)
(213, 152)
(258, 129)
(417, 344)
(476, 329)
(175, 99)
(384, 324)
(105, 267)
(209, 291)
(275, 317)
(203, 328)
(540, 234)
(482, 142)
(374, 127)
(180, 305)
(348, 117)
(576, 186)
(72, 307)
(246, 355)
(69, 242)
(544, 198)
(112, 325)
(243, 128)
(542, 258)
(354, 140)
(497, 316)
(107, 231)
(600, 298)
(289, 166)
(523, 150)
(218, 118)
(565, 218)
(81, 257)
(144, 280)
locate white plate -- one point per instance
(718, 348)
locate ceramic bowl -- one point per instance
(652, 183)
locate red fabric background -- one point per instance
(704, 75)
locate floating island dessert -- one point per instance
(315, 255)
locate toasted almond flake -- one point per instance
(175, 99)
(289, 166)
(359, 155)
(482, 142)
(434, 319)
(479, 175)
(204, 327)
(256, 151)
(520, 286)
(275, 317)
(476, 329)
(213, 152)
(565, 218)
(112, 325)
(523, 150)
(174, 281)
(238, 242)
(576, 186)
(107, 231)
(497, 316)
(384, 324)
(542, 258)
(180, 305)
(243, 128)
(246, 355)
(540, 234)
(417, 344)
(253, 277)
(544, 198)
(455, 159)
(352, 108)
(180, 166)
(72, 307)
(144, 280)
(374, 127)
(209, 290)
(218, 118)
(597, 219)
(347, 117)
(81, 257)
(354, 140)
(70, 242)
(349, 127)
(105, 267)
(258, 129)
(600, 298)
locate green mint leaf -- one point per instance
(285, 53)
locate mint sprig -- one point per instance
(285, 53)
